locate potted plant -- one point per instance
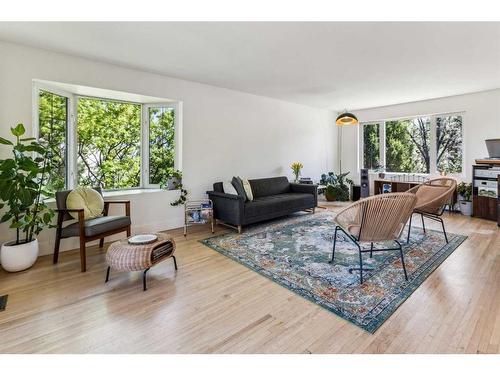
(465, 191)
(296, 169)
(174, 182)
(22, 179)
(381, 171)
(337, 186)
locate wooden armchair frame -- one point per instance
(62, 215)
(375, 219)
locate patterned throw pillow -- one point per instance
(248, 189)
(88, 199)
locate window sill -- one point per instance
(124, 193)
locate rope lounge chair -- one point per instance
(376, 219)
(432, 198)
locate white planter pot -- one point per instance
(466, 208)
(20, 257)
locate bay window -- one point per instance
(104, 142)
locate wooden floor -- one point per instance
(215, 305)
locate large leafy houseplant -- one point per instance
(22, 178)
(173, 181)
(337, 186)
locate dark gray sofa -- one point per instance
(273, 197)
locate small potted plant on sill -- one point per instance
(296, 169)
(381, 171)
(22, 179)
(174, 182)
(464, 190)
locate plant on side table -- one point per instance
(22, 178)
(337, 186)
(464, 189)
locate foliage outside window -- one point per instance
(112, 147)
(161, 144)
(371, 146)
(408, 145)
(449, 138)
(409, 148)
(53, 125)
(109, 138)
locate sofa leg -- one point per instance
(239, 229)
(314, 210)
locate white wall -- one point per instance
(481, 121)
(225, 132)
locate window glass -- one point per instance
(449, 140)
(371, 146)
(161, 144)
(109, 137)
(408, 145)
(53, 125)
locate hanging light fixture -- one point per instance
(346, 118)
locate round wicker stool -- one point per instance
(122, 256)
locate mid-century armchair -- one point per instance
(375, 219)
(88, 230)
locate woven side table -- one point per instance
(122, 256)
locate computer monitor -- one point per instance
(493, 146)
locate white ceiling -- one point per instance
(328, 65)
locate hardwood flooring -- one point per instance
(215, 305)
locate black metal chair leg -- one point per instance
(444, 230)
(334, 243)
(402, 259)
(175, 262)
(144, 286)
(371, 250)
(107, 274)
(409, 230)
(423, 224)
(360, 265)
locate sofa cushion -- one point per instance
(228, 188)
(97, 226)
(248, 189)
(278, 203)
(264, 187)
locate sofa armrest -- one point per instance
(224, 195)
(305, 189)
(228, 208)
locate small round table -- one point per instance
(122, 256)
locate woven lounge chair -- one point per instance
(432, 198)
(376, 219)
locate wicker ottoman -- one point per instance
(122, 256)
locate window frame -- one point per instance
(432, 140)
(72, 132)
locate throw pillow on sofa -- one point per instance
(248, 189)
(229, 188)
(88, 199)
(238, 185)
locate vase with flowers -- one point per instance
(296, 169)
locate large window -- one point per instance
(424, 144)
(109, 139)
(108, 143)
(52, 132)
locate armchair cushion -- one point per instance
(97, 226)
(88, 199)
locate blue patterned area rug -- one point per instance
(295, 252)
